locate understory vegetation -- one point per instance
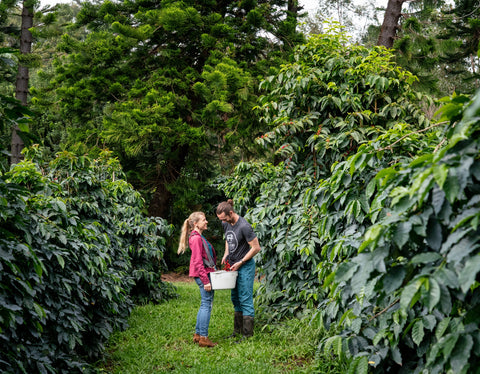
(370, 214)
(159, 340)
(362, 188)
(77, 254)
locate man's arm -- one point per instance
(226, 253)
(254, 249)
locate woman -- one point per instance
(202, 262)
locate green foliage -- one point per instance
(160, 339)
(308, 207)
(8, 65)
(333, 98)
(12, 114)
(76, 253)
(409, 296)
(187, 99)
(460, 31)
(438, 42)
(384, 242)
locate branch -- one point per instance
(406, 136)
(383, 311)
(439, 145)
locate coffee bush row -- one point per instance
(76, 254)
(368, 215)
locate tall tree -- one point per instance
(417, 47)
(462, 36)
(21, 87)
(167, 86)
(390, 24)
(16, 23)
(438, 42)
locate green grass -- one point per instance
(159, 340)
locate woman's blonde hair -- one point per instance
(187, 227)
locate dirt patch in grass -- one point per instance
(180, 277)
(176, 277)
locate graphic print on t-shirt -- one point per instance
(232, 241)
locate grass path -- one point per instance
(159, 340)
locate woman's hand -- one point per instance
(208, 287)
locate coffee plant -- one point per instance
(322, 107)
(369, 214)
(408, 298)
(76, 253)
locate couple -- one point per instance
(241, 244)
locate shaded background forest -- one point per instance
(169, 87)
(258, 101)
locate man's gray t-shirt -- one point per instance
(237, 237)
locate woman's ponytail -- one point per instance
(187, 228)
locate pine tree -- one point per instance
(436, 41)
(167, 86)
(461, 39)
(417, 47)
(16, 22)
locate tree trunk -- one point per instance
(21, 89)
(292, 6)
(160, 204)
(389, 28)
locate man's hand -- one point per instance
(236, 266)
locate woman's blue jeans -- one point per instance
(242, 294)
(203, 315)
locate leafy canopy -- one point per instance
(362, 214)
(76, 253)
(164, 85)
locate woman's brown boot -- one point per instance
(205, 342)
(196, 338)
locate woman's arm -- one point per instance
(196, 245)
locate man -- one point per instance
(241, 244)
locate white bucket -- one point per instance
(223, 280)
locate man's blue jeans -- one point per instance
(242, 294)
(203, 315)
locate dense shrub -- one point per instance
(366, 217)
(76, 253)
(322, 107)
(407, 300)
(372, 217)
